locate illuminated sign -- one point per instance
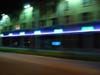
(87, 28)
(37, 32)
(58, 30)
(22, 33)
(56, 43)
(10, 34)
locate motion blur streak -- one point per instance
(21, 64)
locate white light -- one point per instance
(58, 30)
(1, 35)
(22, 33)
(27, 6)
(10, 34)
(37, 32)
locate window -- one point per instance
(5, 29)
(66, 6)
(33, 24)
(23, 26)
(17, 27)
(51, 7)
(99, 15)
(42, 22)
(86, 2)
(86, 16)
(54, 21)
(62, 7)
(67, 19)
(11, 27)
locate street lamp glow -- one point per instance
(5, 20)
(4, 16)
(1, 35)
(27, 6)
(26, 15)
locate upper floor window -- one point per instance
(55, 21)
(33, 24)
(51, 7)
(42, 23)
(86, 16)
(99, 15)
(17, 27)
(86, 2)
(66, 5)
(67, 19)
(23, 26)
(11, 27)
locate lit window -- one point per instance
(17, 27)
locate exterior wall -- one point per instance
(65, 12)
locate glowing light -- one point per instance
(37, 32)
(58, 30)
(87, 28)
(17, 27)
(22, 33)
(56, 43)
(10, 34)
(1, 35)
(27, 6)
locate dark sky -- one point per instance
(9, 6)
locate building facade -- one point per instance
(55, 13)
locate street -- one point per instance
(22, 64)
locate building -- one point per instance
(49, 13)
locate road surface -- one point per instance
(21, 64)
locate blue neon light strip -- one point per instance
(48, 33)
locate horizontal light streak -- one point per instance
(46, 33)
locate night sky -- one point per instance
(10, 6)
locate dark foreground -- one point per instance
(20, 64)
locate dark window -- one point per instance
(54, 21)
(99, 15)
(10, 28)
(67, 19)
(86, 2)
(86, 16)
(42, 22)
(23, 26)
(33, 24)
(51, 7)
